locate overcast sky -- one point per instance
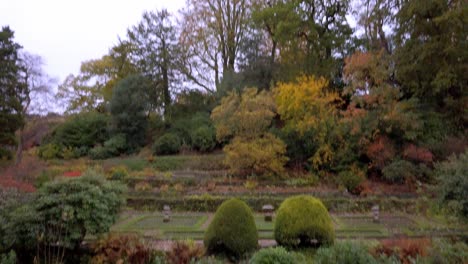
(67, 32)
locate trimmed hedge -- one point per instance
(208, 203)
(233, 231)
(302, 219)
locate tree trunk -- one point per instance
(19, 149)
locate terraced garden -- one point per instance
(191, 225)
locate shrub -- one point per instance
(82, 130)
(185, 252)
(352, 179)
(79, 206)
(443, 251)
(116, 144)
(143, 186)
(260, 156)
(204, 138)
(302, 219)
(404, 250)
(120, 249)
(277, 255)
(99, 153)
(118, 173)
(8, 258)
(232, 231)
(50, 151)
(167, 144)
(400, 171)
(344, 253)
(453, 184)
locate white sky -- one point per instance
(67, 32)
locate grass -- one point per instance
(189, 162)
(192, 225)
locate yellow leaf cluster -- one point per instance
(305, 104)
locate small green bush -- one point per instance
(301, 220)
(116, 144)
(350, 180)
(118, 173)
(167, 144)
(399, 170)
(8, 258)
(344, 253)
(50, 151)
(277, 255)
(99, 153)
(204, 138)
(87, 129)
(444, 251)
(233, 231)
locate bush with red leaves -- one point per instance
(72, 174)
(10, 183)
(418, 154)
(380, 152)
(184, 252)
(405, 250)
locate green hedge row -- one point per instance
(207, 203)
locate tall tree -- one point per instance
(432, 54)
(212, 32)
(12, 89)
(37, 93)
(91, 89)
(310, 35)
(153, 51)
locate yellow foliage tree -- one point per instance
(305, 105)
(247, 115)
(245, 118)
(260, 156)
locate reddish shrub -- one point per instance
(10, 183)
(185, 252)
(380, 152)
(121, 249)
(72, 174)
(418, 154)
(405, 249)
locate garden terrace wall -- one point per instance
(206, 203)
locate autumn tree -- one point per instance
(154, 52)
(91, 89)
(12, 89)
(244, 120)
(308, 109)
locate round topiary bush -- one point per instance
(303, 221)
(277, 255)
(167, 144)
(232, 231)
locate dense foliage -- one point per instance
(344, 252)
(128, 116)
(453, 184)
(233, 231)
(277, 255)
(12, 89)
(303, 221)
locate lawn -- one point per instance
(356, 226)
